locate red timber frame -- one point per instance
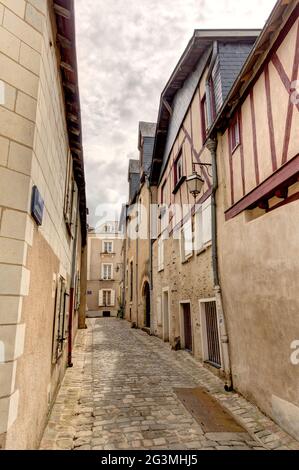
(284, 171)
(195, 155)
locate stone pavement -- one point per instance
(119, 395)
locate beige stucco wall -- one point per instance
(34, 151)
(258, 261)
(96, 258)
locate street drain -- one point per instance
(207, 411)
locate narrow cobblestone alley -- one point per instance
(120, 395)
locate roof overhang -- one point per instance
(200, 42)
(64, 11)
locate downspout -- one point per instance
(149, 220)
(224, 340)
(72, 292)
(136, 264)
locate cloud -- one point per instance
(127, 50)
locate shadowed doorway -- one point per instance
(147, 303)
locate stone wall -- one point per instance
(33, 151)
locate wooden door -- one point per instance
(187, 326)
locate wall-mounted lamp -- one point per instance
(195, 181)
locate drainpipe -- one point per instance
(212, 147)
(72, 292)
(149, 219)
(137, 255)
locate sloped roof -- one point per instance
(66, 42)
(283, 12)
(200, 42)
(146, 129)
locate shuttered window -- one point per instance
(186, 241)
(107, 272)
(107, 247)
(70, 197)
(106, 298)
(59, 320)
(203, 226)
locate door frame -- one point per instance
(203, 329)
(166, 321)
(145, 304)
(182, 324)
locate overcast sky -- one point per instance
(127, 50)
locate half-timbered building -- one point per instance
(185, 308)
(257, 219)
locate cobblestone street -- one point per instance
(120, 395)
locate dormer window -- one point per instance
(108, 228)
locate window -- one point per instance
(178, 169)
(77, 291)
(161, 254)
(107, 272)
(70, 197)
(186, 241)
(59, 320)
(131, 281)
(163, 193)
(106, 298)
(89, 292)
(203, 226)
(235, 133)
(204, 118)
(210, 332)
(108, 228)
(212, 102)
(107, 247)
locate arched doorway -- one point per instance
(147, 304)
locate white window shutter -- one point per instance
(188, 242)
(198, 242)
(74, 207)
(161, 253)
(206, 222)
(112, 298)
(101, 300)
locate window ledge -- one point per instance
(187, 259)
(204, 248)
(179, 184)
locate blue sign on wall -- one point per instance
(37, 206)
